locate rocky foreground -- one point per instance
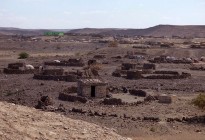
(20, 122)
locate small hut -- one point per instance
(92, 88)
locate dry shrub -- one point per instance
(199, 101)
(113, 44)
(96, 67)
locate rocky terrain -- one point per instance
(136, 117)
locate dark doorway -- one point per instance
(92, 91)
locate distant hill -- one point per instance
(156, 31)
(28, 32)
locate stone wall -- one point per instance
(85, 90)
(149, 66)
(128, 66)
(68, 78)
(15, 65)
(17, 71)
(70, 62)
(53, 72)
(134, 75)
(71, 98)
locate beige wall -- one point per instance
(100, 91)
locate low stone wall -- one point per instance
(128, 66)
(134, 75)
(70, 64)
(149, 66)
(169, 76)
(190, 120)
(162, 77)
(99, 56)
(139, 93)
(92, 61)
(167, 72)
(112, 101)
(171, 61)
(53, 72)
(71, 98)
(116, 74)
(15, 65)
(17, 71)
(198, 68)
(68, 78)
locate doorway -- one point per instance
(92, 91)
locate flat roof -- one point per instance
(92, 81)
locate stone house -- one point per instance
(92, 88)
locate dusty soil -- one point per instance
(19, 122)
(24, 90)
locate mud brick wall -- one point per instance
(85, 90)
(17, 71)
(68, 78)
(101, 91)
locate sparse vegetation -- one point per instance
(96, 67)
(77, 54)
(113, 44)
(199, 101)
(152, 129)
(23, 55)
(90, 53)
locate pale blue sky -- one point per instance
(69, 14)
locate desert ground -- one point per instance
(137, 118)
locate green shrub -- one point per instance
(199, 101)
(23, 55)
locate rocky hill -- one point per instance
(156, 31)
(19, 122)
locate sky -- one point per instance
(72, 14)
